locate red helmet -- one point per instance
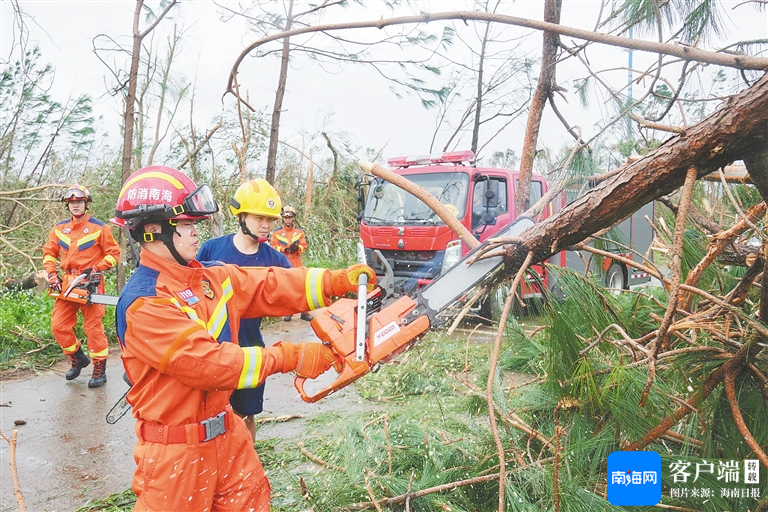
(160, 193)
(77, 193)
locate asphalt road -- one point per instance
(67, 454)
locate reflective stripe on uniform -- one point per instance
(48, 258)
(249, 376)
(64, 240)
(103, 353)
(191, 313)
(88, 240)
(297, 236)
(110, 259)
(220, 314)
(281, 239)
(314, 286)
(70, 349)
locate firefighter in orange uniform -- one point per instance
(290, 240)
(173, 318)
(82, 244)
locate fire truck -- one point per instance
(401, 232)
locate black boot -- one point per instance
(99, 377)
(79, 361)
(306, 316)
(287, 318)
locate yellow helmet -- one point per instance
(257, 197)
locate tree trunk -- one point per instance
(274, 131)
(479, 99)
(736, 130)
(128, 117)
(552, 10)
(128, 124)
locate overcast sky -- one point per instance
(354, 101)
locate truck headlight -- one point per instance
(452, 255)
(361, 252)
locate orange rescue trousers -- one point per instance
(63, 323)
(189, 475)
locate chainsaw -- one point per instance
(364, 334)
(83, 289)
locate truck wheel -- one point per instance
(616, 277)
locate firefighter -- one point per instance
(193, 453)
(290, 240)
(81, 245)
(256, 205)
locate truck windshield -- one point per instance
(390, 205)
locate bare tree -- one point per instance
(543, 92)
(280, 94)
(129, 116)
(133, 78)
(339, 50)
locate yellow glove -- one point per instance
(308, 360)
(343, 281)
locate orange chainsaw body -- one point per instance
(77, 294)
(390, 332)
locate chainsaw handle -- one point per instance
(350, 372)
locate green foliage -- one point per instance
(26, 316)
(117, 502)
(506, 159)
(692, 20)
(25, 328)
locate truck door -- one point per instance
(490, 206)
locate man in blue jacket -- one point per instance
(256, 205)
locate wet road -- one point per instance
(67, 454)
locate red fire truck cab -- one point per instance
(416, 243)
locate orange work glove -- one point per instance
(54, 282)
(343, 281)
(308, 360)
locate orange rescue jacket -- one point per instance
(80, 244)
(171, 322)
(284, 237)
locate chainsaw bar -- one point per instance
(118, 410)
(462, 277)
(100, 298)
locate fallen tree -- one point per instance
(737, 130)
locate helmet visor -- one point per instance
(200, 202)
(74, 193)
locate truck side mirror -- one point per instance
(360, 202)
(491, 194)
